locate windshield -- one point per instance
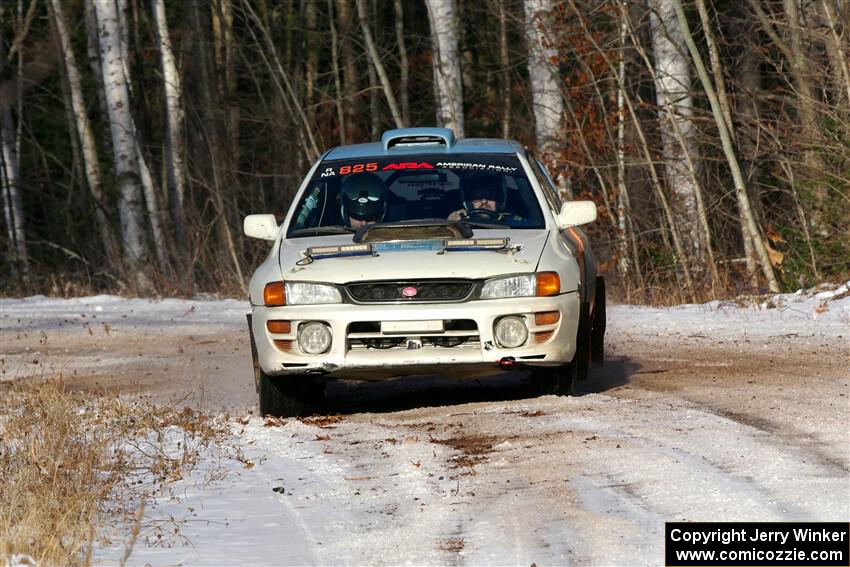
(486, 191)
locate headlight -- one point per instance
(513, 286)
(298, 293)
(541, 284)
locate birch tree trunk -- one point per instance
(10, 173)
(442, 16)
(675, 114)
(148, 187)
(173, 88)
(547, 101)
(85, 134)
(124, 144)
(13, 206)
(719, 101)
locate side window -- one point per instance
(546, 184)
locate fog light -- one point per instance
(314, 337)
(511, 332)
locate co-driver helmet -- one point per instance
(363, 197)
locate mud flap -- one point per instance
(255, 358)
(597, 332)
(583, 343)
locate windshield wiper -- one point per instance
(322, 230)
(473, 224)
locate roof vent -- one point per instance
(417, 137)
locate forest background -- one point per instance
(712, 134)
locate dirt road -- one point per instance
(685, 422)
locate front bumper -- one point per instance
(416, 352)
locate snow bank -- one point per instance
(44, 313)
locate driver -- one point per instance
(363, 200)
(481, 196)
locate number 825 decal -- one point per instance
(358, 168)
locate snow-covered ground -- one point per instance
(722, 411)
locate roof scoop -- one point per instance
(418, 137)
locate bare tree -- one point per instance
(547, 101)
(680, 150)
(403, 63)
(124, 144)
(719, 102)
(173, 88)
(350, 73)
(84, 132)
(10, 172)
(505, 74)
(338, 94)
(442, 15)
(377, 64)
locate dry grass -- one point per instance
(71, 462)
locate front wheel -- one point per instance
(287, 396)
(559, 380)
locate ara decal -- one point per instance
(408, 165)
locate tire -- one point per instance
(597, 332)
(558, 380)
(286, 396)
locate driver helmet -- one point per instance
(486, 186)
(363, 197)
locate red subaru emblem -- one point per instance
(409, 291)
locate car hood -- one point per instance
(406, 262)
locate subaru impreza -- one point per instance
(423, 255)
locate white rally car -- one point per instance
(423, 254)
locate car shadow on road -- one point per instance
(410, 392)
(616, 372)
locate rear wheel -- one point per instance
(597, 332)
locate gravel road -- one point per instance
(723, 420)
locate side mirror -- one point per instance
(575, 213)
(263, 227)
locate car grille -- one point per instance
(425, 291)
(458, 333)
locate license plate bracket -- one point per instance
(408, 327)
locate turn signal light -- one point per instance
(548, 283)
(543, 336)
(547, 317)
(279, 327)
(274, 294)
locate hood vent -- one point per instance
(417, 138)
